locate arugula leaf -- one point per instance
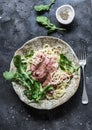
(43, 20)
(9, 75)
(17, 61)
(46, 89)
(44, 7)
(36, 94)
(29, 54)
(66, 65)
(35, 91)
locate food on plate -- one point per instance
(43, 73)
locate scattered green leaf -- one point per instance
(43, 20)
(44, 7)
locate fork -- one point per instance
(82, 63)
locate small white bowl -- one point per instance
(65, 14)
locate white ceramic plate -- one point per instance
(36, 44)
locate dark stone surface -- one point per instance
(17, 25)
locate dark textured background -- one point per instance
(17, 25)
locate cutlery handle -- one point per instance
(84, 94)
